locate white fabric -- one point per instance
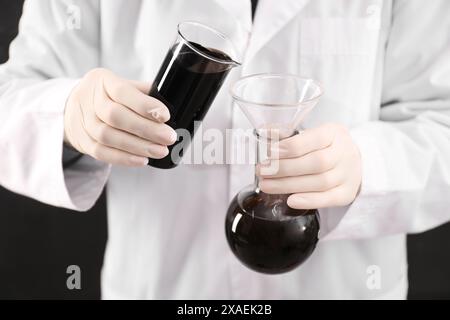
(166, 233)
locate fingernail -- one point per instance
(173, 136)
(154, 150)
(156, 114)
(296, 202)
(140, 161)
(167, 136)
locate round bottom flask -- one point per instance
(268, 236)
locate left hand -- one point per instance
(319, 167)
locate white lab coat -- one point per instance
(166, 228)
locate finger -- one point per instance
(308, 183)
(117, 157)
(305, 142)
(126, 94)
(109, 155)
(315, 162)
(122, 118)
(336, 197)
(155, 114)
(142, 86)
(117, 139)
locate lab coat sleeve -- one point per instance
(406, 155)
(57, 43)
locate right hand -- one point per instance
(115, 120)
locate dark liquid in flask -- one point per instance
(268, 236)
(187, 84)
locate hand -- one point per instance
(320, 167)
(115, 121)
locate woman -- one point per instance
(374, 159)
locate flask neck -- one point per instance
(266, 157)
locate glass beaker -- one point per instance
(189, 79)
(263, 232)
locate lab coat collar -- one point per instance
(271, 16)
(240, 10)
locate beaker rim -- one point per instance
(237, 97)
(205, 55)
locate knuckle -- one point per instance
(330, 130)
(96, 151)
(323, 137)
(323, 160)
(327, 181)
(96, 72)
(102, 134)
(82, 146)
(119, 90)
(337, 130)
(332, 126)
(109, 114)
(90, 127)
(341, 197)
(326, 202)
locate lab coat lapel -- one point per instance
(271, 17)
(240, 10)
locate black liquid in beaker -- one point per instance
(187, 84)
(268, 236)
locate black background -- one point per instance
(38, 242)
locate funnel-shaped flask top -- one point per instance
(276, 101)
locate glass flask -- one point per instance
(189, 79)
(264, 233)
